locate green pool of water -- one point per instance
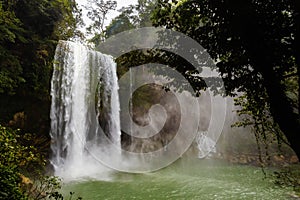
(185, 179)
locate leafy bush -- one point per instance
(289, 176)
(13, 156)
(19, 160)
(9, 183)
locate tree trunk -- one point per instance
(282, 111)
(296, 45)
(262, 56)
(280, 106)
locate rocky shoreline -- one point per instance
(258, 160)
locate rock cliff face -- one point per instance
(236, 145)
(141, 116)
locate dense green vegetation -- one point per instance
(29, 32)
(256, 47)
(21, 169)
(255, 44)
(14, 158)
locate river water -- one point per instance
(185, 179)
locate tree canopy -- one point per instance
(256, 47)
(29, 31)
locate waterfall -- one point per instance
(84, 91)
(205, 144)
(85, 118)
(131, 103)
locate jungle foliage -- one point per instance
(256, 47)
(29, 31)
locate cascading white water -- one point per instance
(80, 78)
(85, 94)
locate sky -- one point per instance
(120, 4)
(111, 14)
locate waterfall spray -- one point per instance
(85, 117)
(82, 79)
